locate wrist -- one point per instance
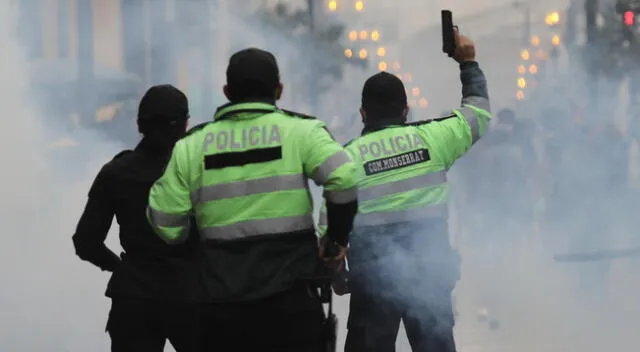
(471, 63)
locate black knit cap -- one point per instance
(253, 71)
(163, 105)
(383, 93)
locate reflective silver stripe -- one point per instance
(385, 189)
(321, 174)
(245, 188)
(379, 218)
(341, 197)
(472, 120)
(160, 218)
(322, 219)
(478, 102)
(258, 227)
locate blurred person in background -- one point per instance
(402, 265)
(151, 283)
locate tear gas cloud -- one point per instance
(52, 301)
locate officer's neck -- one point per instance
(377, 125)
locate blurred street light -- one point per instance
(533, 69)
(522, 70)
(375, 35)
(522, 83)
(362, 54)
(553, 18)
(520, 95)
(381, 51)
(382, 66)
(541, 55)
(353, 35)
(348, 53)
(555, 40)
(333, 5)
(363, 35)
(415, 92)
(524, 55)
(423, 103)
(359, 6)
(535, 40)
(396, 65)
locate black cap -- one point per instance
(383, 91)
(253, 68)
(163, 104)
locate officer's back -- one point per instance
(148, 267)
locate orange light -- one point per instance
(415, 92)
(362, 54)
(522, 70)
(375, 35)
(524, 55)
(533, 69)
(363, 35)
(522, 83)
(348, 53)
(555, 40)
(535, 40)
(353, 35)
(381, 51)
(520, 95)
(423, 103)
(382, 66)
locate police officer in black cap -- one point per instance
(151, 282)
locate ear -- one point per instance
(363, 114)
(405, 113)
(279, 90)
(225, 90)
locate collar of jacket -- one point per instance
(230, 109)
(378, 127)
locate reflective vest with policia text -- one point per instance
(402, 173)
(245, 177)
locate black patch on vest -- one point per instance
(254, 156)
(396, 162)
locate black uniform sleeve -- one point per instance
(94, 225)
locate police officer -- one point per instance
(148, 288)
(244, 176)
(401, 263)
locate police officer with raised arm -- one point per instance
(402, 266)
(244, 176)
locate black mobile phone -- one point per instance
(448, 34)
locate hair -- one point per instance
(247, 90)
(384, 112)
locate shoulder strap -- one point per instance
(298, 114)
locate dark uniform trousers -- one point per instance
(401, 278)
(291, 321)
(141, 325)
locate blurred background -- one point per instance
(557, 173)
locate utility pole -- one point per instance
(86, 75)
(313, 79)
(591, 12)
